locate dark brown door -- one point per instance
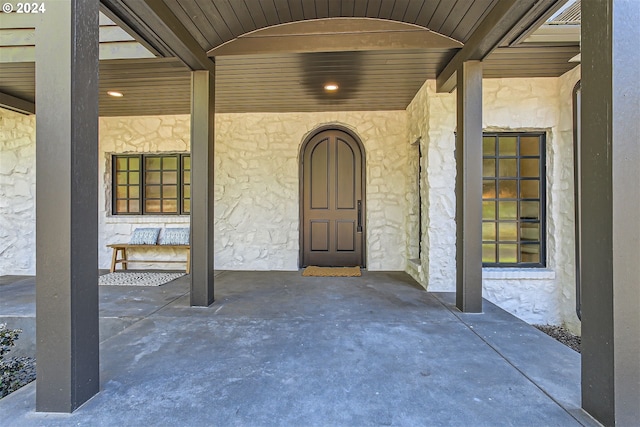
(333, 206)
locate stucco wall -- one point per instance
(542, 104)
(17, 193)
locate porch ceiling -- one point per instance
(375, 77)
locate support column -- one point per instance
(469, 188)
(610, 208)
(202, 194)
(67, 205)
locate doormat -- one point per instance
(332, 271)
(138, 279)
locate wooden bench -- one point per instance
(121, 248)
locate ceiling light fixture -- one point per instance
(331, 87)
(115, 93)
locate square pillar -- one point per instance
(610, 208)
(202, 193)
(469, 188)
(67, 342)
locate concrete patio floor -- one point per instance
(279, 349)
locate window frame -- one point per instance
(142, 197)
(542, 197)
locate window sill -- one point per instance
(492, 273)
(147, 219)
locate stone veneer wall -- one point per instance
(542, 104)
(146, 134)
(17, 193)
(257, 186)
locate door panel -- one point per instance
(320, 236)
(332, 195)
(319, 175)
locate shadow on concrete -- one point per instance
(279, 349)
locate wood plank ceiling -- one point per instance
(285, 82)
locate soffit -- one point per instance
(214, 22)
(279, 82)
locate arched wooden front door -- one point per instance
(333, 203)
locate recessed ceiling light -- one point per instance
(115, 93)
(331, 87)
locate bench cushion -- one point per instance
(144, 236)
(175, 236)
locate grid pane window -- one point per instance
(151, 184)
(513, 199)
(127, 185)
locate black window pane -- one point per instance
(507, 210)
(122, 178)
(153, 163)
(530, 146)
(134, 206)
(530, 189)
(488, 253)
(488, 189)
(152, 192)
(507, 145)
(122, 163)
(508, 232)
(530, 231)
(152, 206)
(488, 167)
(169, 177)
(513, 199)
(508, 253)
(488, 210)
(169, 206)
(121, 206)
(529, 168)
(508, 188)
(169, 191)
(488, 146)
(134, 178)
(530, 253)
(508, 167)
(152, 178)
(121, 192)
(170, 163)
(530, 210)
(489, 231)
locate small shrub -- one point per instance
(17, 371)
(7, 339)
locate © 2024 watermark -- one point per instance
(26, 7)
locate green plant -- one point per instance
(17, 371)
(7, 339)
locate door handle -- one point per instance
(359, 229)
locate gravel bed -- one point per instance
(15, 373)
(561, 334)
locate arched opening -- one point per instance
(332, 199)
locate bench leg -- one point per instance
(114, 258)
(124, 258)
